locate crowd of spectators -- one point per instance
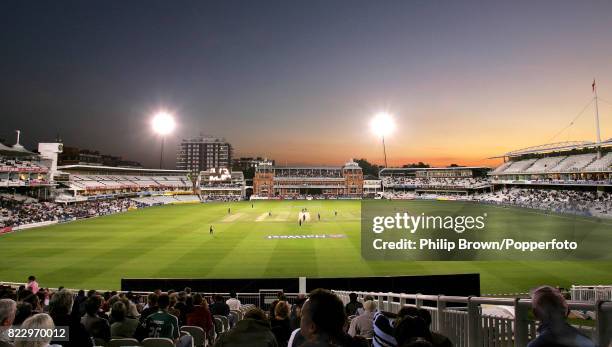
(320, 319)
(555, 181)
(19, 165)
(308, 173)
(437, 183)
(15, 212)
(585, 203)
(560, 201)
(220, 198)
(217, 184)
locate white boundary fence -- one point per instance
(462, 320)
(591, 293)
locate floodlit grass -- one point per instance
(174, 242)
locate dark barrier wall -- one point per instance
(289, 285)
(459, 285)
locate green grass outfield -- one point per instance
(174, 242)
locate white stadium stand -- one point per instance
(575, 162)
(545, 164)
(602, 164)
(519, 166)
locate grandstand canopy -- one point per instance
(555, 147)
(390, 170)
(15, 151)
(119, 170)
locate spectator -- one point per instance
(78, 301)
(200, 315)
(172, 309)
(32, 285)
(43, 299)
(550, 307)
(60, 307)
(106, 305)
(233, 302)
(181, 307)
(437, 340)
(189, 300)
(296, 339)
(123, 326)
(219, 307)
(8, 309)
(353, 305)
(281, 326)
(280, 296)
(253, 330)
(323, 319)
(31, 299)
(296, 312)
(163, 324)
(150, 308)
(24, 311)
(37, 322)
(362, 325)
(410, 328)
(132, 309)
(408, 311)
(96, 326)
(383, 331)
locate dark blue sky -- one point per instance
(298, 81)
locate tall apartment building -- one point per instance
(203, 153)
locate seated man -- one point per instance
(96, 326)
(362, 325)
(219, 307)
(550, 307)
(233, 302)
(163, 324)
(254, 330)
(353, 305)
(323, 320)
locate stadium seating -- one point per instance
(502, 167)
(545, 164)
(166, 199)
(519, 166)
(574, 162)
(157, 342)
(432, 183)
(123, 343)
(114, 182)
(20, 166)
(601, 164)
(15, 213)
(562, 201)
(198, 334)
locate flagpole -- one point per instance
(597, 120)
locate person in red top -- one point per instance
(200, 315)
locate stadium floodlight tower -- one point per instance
(383, 125)
(163, 124)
